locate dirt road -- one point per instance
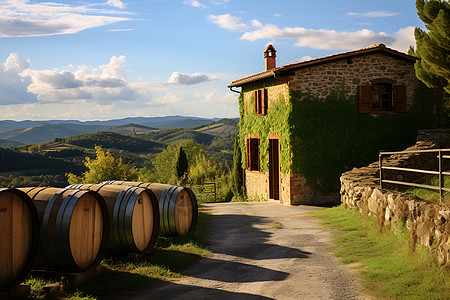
(253, 260)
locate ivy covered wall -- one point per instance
(320, 138)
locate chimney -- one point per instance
(270, 57)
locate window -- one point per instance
(382, 97)
(261, 102)
(253, 154)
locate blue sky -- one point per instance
(93, 60)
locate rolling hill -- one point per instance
(32, 132)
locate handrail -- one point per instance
(440, 172)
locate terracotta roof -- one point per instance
(280, 71)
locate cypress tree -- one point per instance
(433, 46)
(237, 180)
(182, 163)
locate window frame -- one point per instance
(261, 101)
(253, 154)
(367, 92)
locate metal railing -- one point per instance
(207, 188)
(440, 171)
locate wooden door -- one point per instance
(274, 169)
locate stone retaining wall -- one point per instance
(427, 221)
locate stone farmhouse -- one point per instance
(382, 79)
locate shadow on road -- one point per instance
(242, 236)
(230, 271)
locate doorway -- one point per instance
(274, 169)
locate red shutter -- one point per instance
(256, 101)
(265, 102)
(248, 155)
(365, 98)
(399, 98)
(260, 102)
(257, 153)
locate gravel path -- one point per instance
(253, 260)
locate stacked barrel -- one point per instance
(71, 229)
(178, 208)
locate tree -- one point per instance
(182, 164)
(237, 179)
(104, 167)
(164, 163)
(433, 46)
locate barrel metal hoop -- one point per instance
(45, 219)
(194, 210)
(128, 217)
(162, 211)
(62, 242)
(173, 202)
(115, 219)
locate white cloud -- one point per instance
(169, 98)
(195, 3)
(187, 79)
(214, 97)
(228, 22)
(13, 87)
(305, 58)
(20, 18)
(219, 2)
(278, 15)
(374, 14)
(104, 84)
(116, 3)
(332, 39)
(404, 38)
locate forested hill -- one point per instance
(46, 163)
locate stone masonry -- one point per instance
(348, 74)
(427, 221)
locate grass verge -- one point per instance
(388, 267)
(122, 275)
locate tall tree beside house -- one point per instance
(238, 172)
(182, 164)
(433, 46)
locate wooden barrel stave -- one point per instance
(175, 219)
(19, 239)
(124, 204)
(75, 235)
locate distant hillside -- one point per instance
(114, 140)
(46, 132)
(168, 122)
(131, 129)
(185, 123)
(32, 132)
(12, 159)
(220, 127)
(175, 135)
(8, 143)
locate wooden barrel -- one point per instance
(20, 233)
(75, 228)
(134, 215)
(178, 208)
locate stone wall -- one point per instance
(427, 221)
(361, 70)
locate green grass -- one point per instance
(430, 194)
(125, 275)
(386, 263)
(277, 225)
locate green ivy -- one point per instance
(320, 138)
(273, 123)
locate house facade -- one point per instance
(382, 79)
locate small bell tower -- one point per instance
(270, 55)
